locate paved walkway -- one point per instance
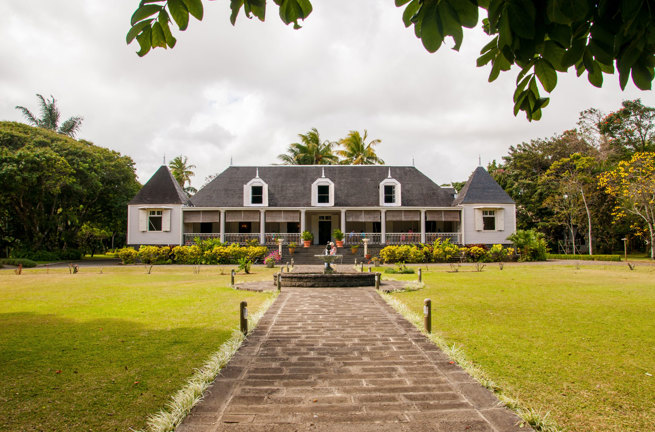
(340, 359)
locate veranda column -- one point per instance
(383, 226)
(262, 226)
(302, 220)
(343, 220)
(221, 230)
(422, 226)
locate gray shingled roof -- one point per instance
(290, 186)
(162, 188)
(481, 188)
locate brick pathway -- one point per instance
(340, 359)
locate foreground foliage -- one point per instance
(543, 38)
(194, 254)
(104, 351)
(575, 343)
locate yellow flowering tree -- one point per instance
(632, 183)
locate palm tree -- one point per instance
(310, 151)
(50, 118)
(357, 152)
(182, 172)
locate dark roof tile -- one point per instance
(162, 188)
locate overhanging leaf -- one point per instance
(195, 8)
(144, 12)
(179, 13)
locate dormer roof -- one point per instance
(162, 188)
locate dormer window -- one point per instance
(323, 194)
(390, 192)
(255, 192)
(323, 191)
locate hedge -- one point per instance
(615, 258)
(27, 263)
(192, 254)
(445, 252)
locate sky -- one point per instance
(242, 94)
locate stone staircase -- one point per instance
(305, 256)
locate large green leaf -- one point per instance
(410, 11)
(164, 21)
(144, 12)
(144, 41)
(431, 32)
(467, 12)
(179, 13)
(136, 29)
(451, 25)
(546, 74)
(158, 39)
(642, 76)
(195, 8)
(235, 6)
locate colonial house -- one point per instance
(384, 204)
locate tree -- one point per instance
(50, 118)
(310, 151)
(573, 178)
(630, 129)
(182, 172)
(632, 183)
(541, 37)
(357, 152)
(51, 185)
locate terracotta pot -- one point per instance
(292, 250)
(306, 243)
(354, 250)
(339, 243)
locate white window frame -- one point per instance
(247, 193)
(397, 192)
(489, 214)
(322, 182)
(144, 219)
(498, 214)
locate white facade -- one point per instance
(139, 232)
(474, 230)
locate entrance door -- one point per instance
(324, 229)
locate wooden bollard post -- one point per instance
(279, 281)
(287, 267)
(420, 275)
(243, 317)
(232, 277)
(377, 281)
(370, 270)
(427, 315)
(362, 269)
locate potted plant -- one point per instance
(338, 237)
(292, 247)
(272, 259)
(307, 238)
(354, 248)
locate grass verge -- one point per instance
(575, 341)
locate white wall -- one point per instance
(473, 236)
(137, 237)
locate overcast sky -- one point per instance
(245, 92)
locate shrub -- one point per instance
(27, 263)
(71, 254)
(272, 258)
(153, 254)
(444, 251)
(40, 255)
(476, 253)
(187, 254)
(498, 253)
(127, 255)
(207, 244)
(244, 264)
(615, 258)
(531, 245)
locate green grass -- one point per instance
(578, 343)
(95, 351)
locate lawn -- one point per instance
(578, 342)
(92, 351)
